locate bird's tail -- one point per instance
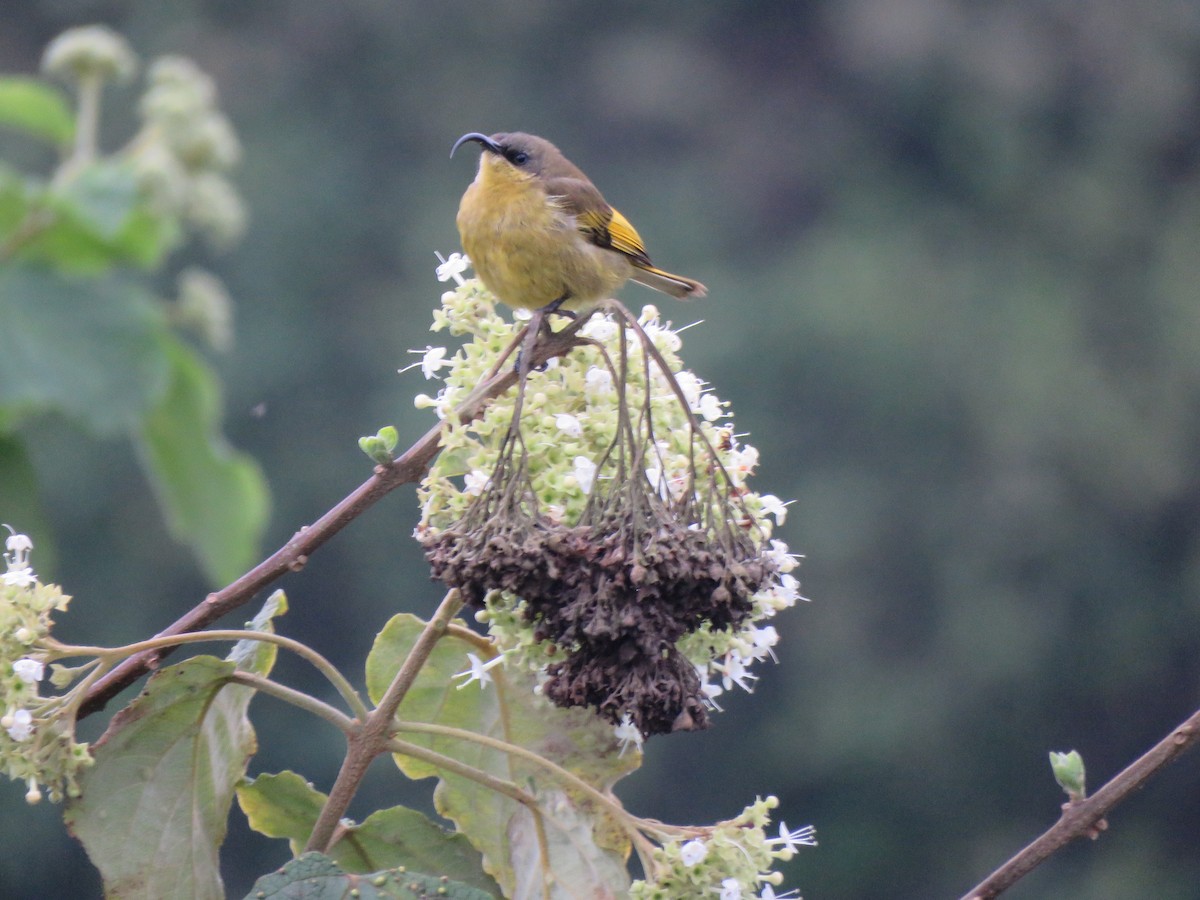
(676, 285)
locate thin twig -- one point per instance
(410, 466)
(330, 714)
(319, 662)
(1086, 817)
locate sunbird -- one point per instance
(541, 236)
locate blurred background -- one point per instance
(953, 257)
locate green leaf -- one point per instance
(155, 804)
(283, 805)
(92, 221)
(147, 237)
(101, 197)
(286, 806)
(36, 108)
(215, 498)
(14, 200)
(316, 877)
(586, 847)
(92, 349)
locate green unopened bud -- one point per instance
(88, 52)
(1069, 773)
(61, 676)
(380, 446)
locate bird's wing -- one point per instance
(603, 225)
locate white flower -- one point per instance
(710, 407)
(476, 480)
(29, 670)
(788, 841)
(453, 267)
(442, 403)
(692, 388)
(779, 556)
(731, 890)
(692, 852)
(585, 473)
(763, 639)
(18, 544)
(478, 670)
(627, 733)
(773, 506)
(709, 692)
(568, 424)
(742, 463)
(597, 381)
(19, 725)
(432, 359)
(787, 592)
(19, 577)
(768, 893)
(16, 560)
(599, 328)
(733, 671)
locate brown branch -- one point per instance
(1086, 817)
(410, 466)
(373, 736)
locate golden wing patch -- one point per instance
(603, 225)
(624, 237)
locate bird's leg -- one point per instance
(533, 331)
(539, 323)
(555, 307)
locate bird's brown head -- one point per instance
(519, 154)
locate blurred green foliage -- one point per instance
(954, 297)
(82, 334)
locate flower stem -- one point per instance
(319, 662)
(318, 708)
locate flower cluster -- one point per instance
(611, 538)
(732, 860)
(92, 51)
(37, 745)
(186, 148)
(180, 158)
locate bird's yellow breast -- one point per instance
(526, 248)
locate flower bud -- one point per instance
(1069, 772)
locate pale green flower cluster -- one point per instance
(92, 51)
(732, 860)
(186, 148)
(205, 307)
(568, 422)
(181, 157)
(37, 744)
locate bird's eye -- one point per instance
(518, 157)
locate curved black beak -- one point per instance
(483, 139)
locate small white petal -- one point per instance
(29, 670)
(20, 728)
(692, 853)
(585, 473)
(568, 424)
